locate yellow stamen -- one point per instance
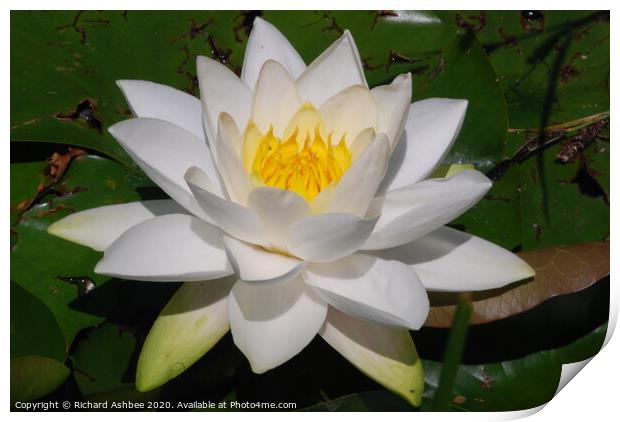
(303, 162)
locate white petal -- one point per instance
(361, 143)
(255, 264)
(229, 164)
(393, 103)
(192, 322)
(165, 152)
(388, 292)
(411, 212)
(385, 354)
(450, 260)
(278, 209)
(173, 247)
(349, 112)
(276, 99)
(267, 43)
(336, 69)
(221, 91)
(148, 99)
(235, 219)
(328, 237)
(432, 127)
(357, 188)
(272, 323)
(98, 227)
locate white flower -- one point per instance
(302, 183)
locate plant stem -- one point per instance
(453, 355)
(571, 126)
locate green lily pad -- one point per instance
(585, 347)
(30, 313)
(549, 204)
(463, 71)
(389, 42)
(559, 203)
(71, 97)
(102, 359)
(33, 377)
(37, 366)
(541, 197)
(526, 51)
(382, 401)
(512, 385)
(55, 271)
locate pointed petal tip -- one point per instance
(402, 79)
(202, 59)
(477, 175)
(202, 62)
(116, 128)
(144, 383)
(519, 271)
(56, 228)
(224, 118)
(65, 229)
(412, 397)
(257, 369)
(454, 107)
(347, 36)
(113, 130)
(259, 21)
(196, 178)
(461, 104)
(122, 83)
(59, 229)
(191, 172)
(272, 65)
(271, 62)
(193, 321)
(100, 267)
(382, 140)
(272, 324)
(385, 354)
(473, 178)
(528, 270)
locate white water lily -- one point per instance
(300, 205)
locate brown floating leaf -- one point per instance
(559, 271)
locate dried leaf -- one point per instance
(58, 163)
(57, 166)
(559, 270)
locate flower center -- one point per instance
(304, 162)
